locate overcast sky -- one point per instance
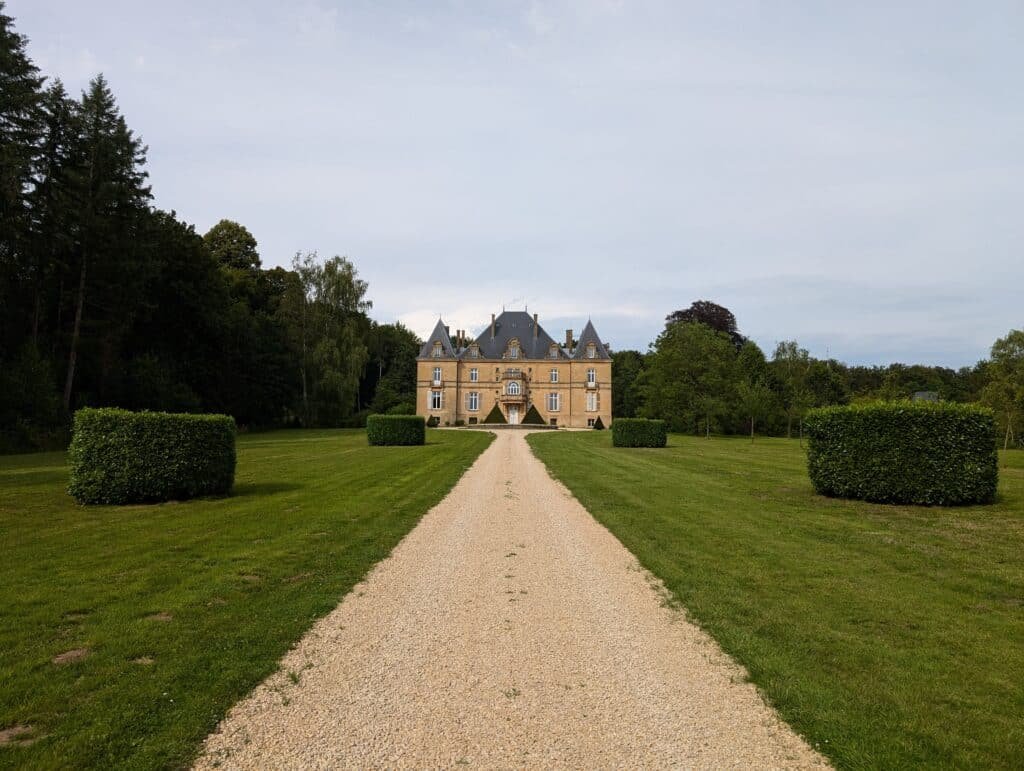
(850, 175)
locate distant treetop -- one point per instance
(712, 315)
(233, 245)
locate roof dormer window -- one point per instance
(591, 351)
(438, 350)
(513, 349)
(553, 351)
(474, 351)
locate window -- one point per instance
(554, 375)
(474, 375)
(513, 349)
(512, 389)
(591, 375)
(554, 421)
(473, 401)
(472, 421)
(436, 353)
(435, 400)
(474, 351)
(590, 422)
(437, 375)
(591, 351)
(591, 402)
(553, 402)
(553, 352)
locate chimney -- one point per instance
(535, 327)
(568, 339)
(492, 326)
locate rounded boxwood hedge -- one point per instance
(639, 432)
(385, 430)
(934, 454)
(117, 456)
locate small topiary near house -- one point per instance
(495, 416)
(396, 430)
(932, 454)
(118, 457)
(533, 418)
(639, 432)
(599, 424)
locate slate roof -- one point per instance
(518, 325)
(440, 334)
(589, 335)
(515, 324)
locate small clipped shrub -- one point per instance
(639, 432)
(460, 423)
(495, 416)
(533, 418)
(388, 430)
(932, 454)
(433, 421)
(117, 456)
(599, 424)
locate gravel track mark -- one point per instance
(508, 629)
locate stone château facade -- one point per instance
(514, 363)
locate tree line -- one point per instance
(703, 376)
(107, 300)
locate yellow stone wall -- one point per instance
(456, 383)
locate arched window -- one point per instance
(512, 389)
(513, 349)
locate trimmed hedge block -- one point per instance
(387, 430)
(117, 456)
(932, 454)
(639, 432)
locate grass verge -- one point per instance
(889, 636)
(167, 614)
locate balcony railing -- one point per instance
(591, 384)
(512, 398)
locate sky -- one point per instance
(848, 175)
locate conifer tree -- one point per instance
(20, 98)
(108, 198)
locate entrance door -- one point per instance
(513, 414)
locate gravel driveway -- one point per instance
(508, 629)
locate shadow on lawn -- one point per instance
(251, 489)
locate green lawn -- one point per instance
(889, 636)
(237, 580)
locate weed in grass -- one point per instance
(72, 656)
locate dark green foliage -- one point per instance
(903, 452)
(495, 416)
(639, 432)
(117, 456)
(627, 374)
(599, 424)
(533, 418)
(460, 423)
(387, 430)
(433, 421)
